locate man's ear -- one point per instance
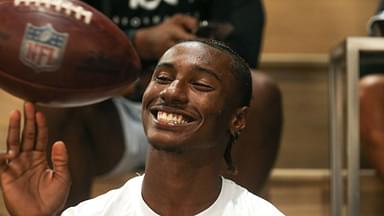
(239, 121)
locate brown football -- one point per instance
(63, 53)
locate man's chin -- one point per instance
(167, 148)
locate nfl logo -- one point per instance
(43, 48)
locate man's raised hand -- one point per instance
(29, 185)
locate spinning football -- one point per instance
(63, 53)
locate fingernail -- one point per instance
(11, 152)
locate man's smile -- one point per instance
(171, 118)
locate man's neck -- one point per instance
(175, 186)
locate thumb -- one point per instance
(188, 23)
(59, 157)
(180, 34)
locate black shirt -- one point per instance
(247, 17)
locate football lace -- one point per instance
(60, 6)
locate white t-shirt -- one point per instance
(233, 200)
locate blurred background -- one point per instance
(298, 38)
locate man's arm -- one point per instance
(247, 18)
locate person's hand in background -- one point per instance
(152, 42)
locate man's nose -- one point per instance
(175, 92)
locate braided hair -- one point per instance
(242, 74)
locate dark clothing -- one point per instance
(247, 17)
(381, 6)
(372, 62)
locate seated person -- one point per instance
(371, 87)
(372, 120)
(107, 139)
(194, 110)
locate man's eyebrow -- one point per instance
(207, 70)
(165, 65)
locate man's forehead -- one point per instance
(195, 49)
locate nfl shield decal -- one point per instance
(43, 48)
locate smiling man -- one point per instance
(194, 109)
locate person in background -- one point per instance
(194, 109)
(371, 95)
(107, 139)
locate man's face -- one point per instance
(190, 100)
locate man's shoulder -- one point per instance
(122, 199)
(246, 202)
(134, 182)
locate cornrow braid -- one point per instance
(227, 154)
(242, 74)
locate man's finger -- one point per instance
(29, 130)
(59, 157)
(42, 132)
(180, 34)
(13, 136)
(187, 22)
(4, 157)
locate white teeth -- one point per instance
(170, 118)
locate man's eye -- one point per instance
(202, 86)
(163, 79)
